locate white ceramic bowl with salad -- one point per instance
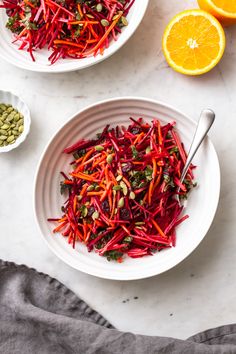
(201, 203)
(21, 58)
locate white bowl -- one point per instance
(17, 103)
(22, 59)
(201, 205)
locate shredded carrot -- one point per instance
(157, 181)
(139, 137)
(83, 22)
(29, 3)
(80, 11)
(150, 192)
(154, 173)
(59, 227)
(98, 46)
(158, 228)
(83, 190)
(62, 219)
(90, 194)
(85, 177)
(75, 203)
(126, 181)
(105, 193)
(87, 155)
(113, 178)
(73, 44)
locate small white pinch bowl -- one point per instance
(17, 103)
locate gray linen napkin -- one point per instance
(39, 315)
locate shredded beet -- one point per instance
(69, 28)
(122, 190)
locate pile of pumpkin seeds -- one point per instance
(11, 124)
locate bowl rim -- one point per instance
(75, 116)
(98, 59)
(27, 120)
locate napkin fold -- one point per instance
(39, 315)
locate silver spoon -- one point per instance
(205, 122)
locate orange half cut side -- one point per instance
(193, 42)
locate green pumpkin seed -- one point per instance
(139, 227)
(115, 17)
(4, 116)
(121, 203)
(90, 188)
(20, 122)
(10, 109)
(99, 148)
(84, 211)
(10, 117)
(20, 129)
(10, 138)
(132, 195)
(13, 141)
(119, 178)
(5, 126)
(15, 132)
(116, 188)
(128, 239)
(97, 188)
(12, 125)
(89, 16)
(105, 23)
(124, 187)
(95, 215)
(1, 123)
(16, 117)
(3, 137)
(9, 132)
(124, 21)
(99, 7)
(3, 107)
(109, 159)
(3, 132)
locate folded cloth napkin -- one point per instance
(39, 315)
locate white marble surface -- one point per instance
(200, 292)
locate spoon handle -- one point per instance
(205, 122)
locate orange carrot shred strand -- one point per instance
(113, 24)
(80, 10)
(158, 228)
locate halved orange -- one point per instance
(223, 10)
(193, 42)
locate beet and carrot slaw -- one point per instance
(121, 190)
(68, 28)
